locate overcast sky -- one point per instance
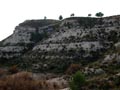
(13, 12)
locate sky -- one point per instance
(13, 12)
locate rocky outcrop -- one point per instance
(25, 36)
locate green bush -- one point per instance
(77, 81)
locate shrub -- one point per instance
(72, 15)
(89, 15)
(117, 80)
(60, 17)
(13, 69)
(73, 68)
(77, 81)
(2, 72)
(99, 14)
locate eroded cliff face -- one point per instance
(50, 45)
(25, 36)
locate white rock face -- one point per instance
(12, 49)
(85, 45)
(21, 35)
(117, 44)
(69, 34)
(22, 38)
(112, 57)
(76, 37)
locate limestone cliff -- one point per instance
(53, 45)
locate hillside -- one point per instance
(50, 51)
(52, 46)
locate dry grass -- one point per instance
(25, 81)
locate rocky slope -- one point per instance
(51, 45)
(25, 36)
